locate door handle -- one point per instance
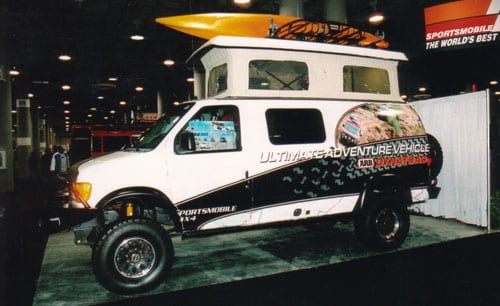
(247, 185)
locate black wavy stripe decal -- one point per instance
(313, 178)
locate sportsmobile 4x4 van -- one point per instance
(285, 131)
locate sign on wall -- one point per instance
(461, 24)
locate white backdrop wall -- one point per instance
(461, 125)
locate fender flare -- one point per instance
(388, 185)
(161, 201)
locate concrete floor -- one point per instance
(66, 276)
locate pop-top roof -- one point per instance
(293, 45)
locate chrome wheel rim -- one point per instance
(134, 257)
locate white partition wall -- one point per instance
(461, 125)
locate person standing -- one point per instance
(60, 161)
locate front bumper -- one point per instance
(61, 218)
(60, 215)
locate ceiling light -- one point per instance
(93, 109)
(66, 87)
(112, 112)
(123, 103)
(242, 3)
(66, 102)
(169, 62)
(113, 79)
(139, 89)
(494, 82)
(89, 115)
(66, 122)
(66, 118)
(30, 95)
(137, 37)
(190, 80)
(376, 18)
(497, 93)
(67, 112)
(422, 89)
(100, 98)
(404, 97)
(64, 57)
(14, 72)
(13, 111)
(105, 117)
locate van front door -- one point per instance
(208, 177)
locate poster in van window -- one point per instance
(370, 123)
(213, 135)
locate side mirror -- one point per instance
(187, 142)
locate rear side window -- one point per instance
(278, 75)
(217, 80)
(292, 126)
(366, 80)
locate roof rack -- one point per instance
(327, 32)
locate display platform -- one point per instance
(66, 276)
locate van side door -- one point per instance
(299, 182)
(293, 134)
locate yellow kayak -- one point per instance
(209, 25)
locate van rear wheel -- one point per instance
(134, 255)
(383, 225)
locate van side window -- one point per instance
(278, 75)
(212, 129)
(217, 80)
(366, 79)
(292, 126)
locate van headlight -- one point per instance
(81, 191)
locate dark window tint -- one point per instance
(289, 126)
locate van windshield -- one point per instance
(152, 137)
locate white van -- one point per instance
(284, 131)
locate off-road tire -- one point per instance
(383, 225)
(134, 255)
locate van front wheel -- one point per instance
(383, 225)
(134, 255)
